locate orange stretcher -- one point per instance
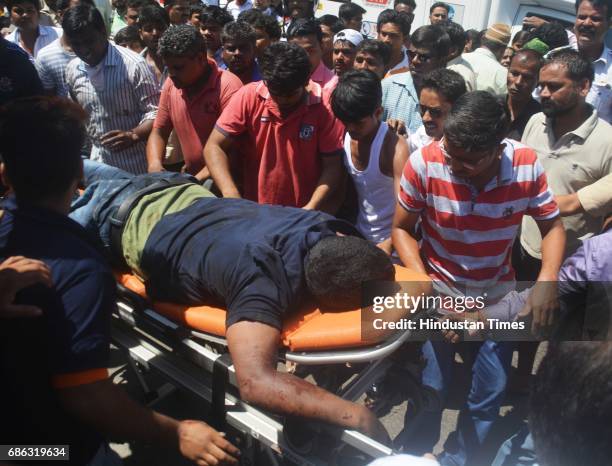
(308, 331)
(186, 346)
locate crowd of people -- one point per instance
(255, 155)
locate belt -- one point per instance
(119, 218)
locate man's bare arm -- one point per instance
(254, 348)
(217, 160)
(107, 408)
(156, 149)
(327, 196)
(542, 301)
(404, 238)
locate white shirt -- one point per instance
(459, 65)
(118, 94)
(235, 9)
(491, 76)
(600, 95)
(46, 35)
(51, 65)
(418, 139)
(404, 460)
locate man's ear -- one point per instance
(378, 113)
(4, 176)
(584, 87)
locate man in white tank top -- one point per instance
(374, 155)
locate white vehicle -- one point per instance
(471, 14)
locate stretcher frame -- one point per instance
(191, 360)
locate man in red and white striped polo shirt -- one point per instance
(470, 191)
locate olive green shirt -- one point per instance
(150, 210)
(576, 160)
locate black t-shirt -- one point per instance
(18, 77)
(246, 256)
(71, 337)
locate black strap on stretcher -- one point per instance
(220, 383)
(120, 216)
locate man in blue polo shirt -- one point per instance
(260, 261)
(18, 77)
(55, 387)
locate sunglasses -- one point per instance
(423, 57)
(467, 165)
(433, 112)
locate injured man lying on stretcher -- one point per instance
(260, 261)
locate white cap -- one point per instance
(350, 35)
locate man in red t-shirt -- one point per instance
(191, 100)
(289, 143)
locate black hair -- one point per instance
(238, 31)
(250, 15)
(578, 67)
(477, 121)
(137, 3)
(153, 14)
(521, 36)
(432, 37)
(448, 83)
(357, 95)
(285, 67)
(170, 3)
(571, 404)
(599, 3)
(214, 14)
(349, 11)
(377, 48)
(410, 3)
(337, 267)
(40, 145)
(474, 36)
(182, 40)
(64, 4)
(197, 8)
(81, 18)
(552, 34)
(304, 27)
(127, 35)
(332, 22)
(456, 34)
(259, 20)
(446, 6)
(11, 3)
(392, 16)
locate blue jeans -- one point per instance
(492, 362)
(106, 188)
(518, 450)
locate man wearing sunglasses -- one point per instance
(441, 88)
(470, 192)
(429, 47)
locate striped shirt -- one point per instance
(400, 100)
(46, 35)
(51, 65)
(468, 234)
(127, 94)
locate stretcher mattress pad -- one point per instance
(311, 330)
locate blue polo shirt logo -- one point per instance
(306, 132)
